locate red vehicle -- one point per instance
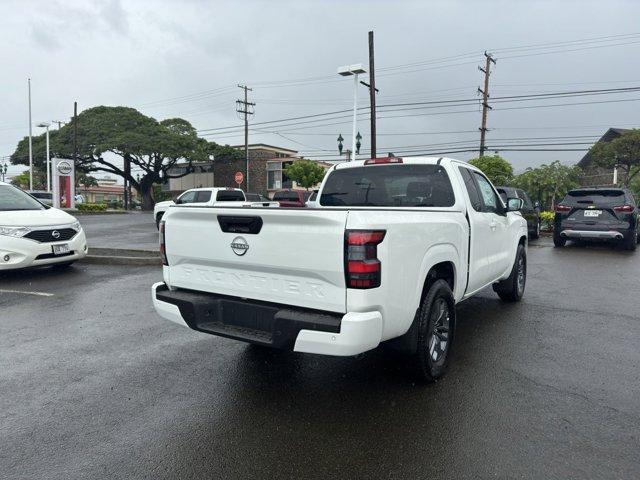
(291, 198)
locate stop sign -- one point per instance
(239, 177)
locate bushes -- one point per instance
(92, 207)
(546, 220)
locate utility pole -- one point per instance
(485, 98)
(30, 141)
(372, 95)
(75, 141)
(244, 107)
(59, 122)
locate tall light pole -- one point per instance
(346, 71)
(30, 141)
(46, 125)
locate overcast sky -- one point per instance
(185, 58)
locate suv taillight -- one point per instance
(362, 267)
(624, 208)
(563, 208)
(163, 248)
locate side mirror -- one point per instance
(514, 204)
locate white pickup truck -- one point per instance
(391, 248)
(207, 197)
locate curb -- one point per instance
(114, 256)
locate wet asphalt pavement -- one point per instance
(134, 230)
(94, 385)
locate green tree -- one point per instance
(22, 180)
(305, 173)
(499, 171)
(623, 151)
(548, 183)
(110, 137)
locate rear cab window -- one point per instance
(230, 196)
(402, 185)
(286, 196)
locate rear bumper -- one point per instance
(263, 323)
(593, 234)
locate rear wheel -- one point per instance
(558, 241)
(512, 289)
(436, 324)
(535, 234)
(632, 242)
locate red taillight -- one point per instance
(163, 248)
(624, 208)
(377, 161)
(362, 267)
(563, 208)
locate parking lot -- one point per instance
(95, 385)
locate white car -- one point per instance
(392, 246)
(33, 234)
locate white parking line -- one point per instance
(39, 294)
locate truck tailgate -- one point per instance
(273, 255)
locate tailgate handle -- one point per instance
(232, 224)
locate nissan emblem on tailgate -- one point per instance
(239, 246)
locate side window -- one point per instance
(472, 191)
(527, 201)
(203, 196)
(489, 197)
(186, 197)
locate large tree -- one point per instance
(499, 171)
(305, 173)
(624, 151)
(108, 138)
(548, 183)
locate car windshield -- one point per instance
(595, 197)
(389, 186)
(12, 198)
(230, 196)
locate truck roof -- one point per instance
(405, 160)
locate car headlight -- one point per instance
(76, 226)
(14, 231)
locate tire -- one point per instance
(558, 241)
(512, 289)
(436, 326)
(62, 266)
(158, 220)
(535, 234)
(632, 242)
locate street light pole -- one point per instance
(46, 125)
(30, 141)
(345, 72)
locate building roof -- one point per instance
(608, 136)
(264, 146)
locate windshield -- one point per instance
(12, 198)
(389, 186)
(595, 197)
(230, 196)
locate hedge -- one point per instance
(91, 207)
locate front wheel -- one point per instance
(512, 289)
(436, 324)
(158, 220)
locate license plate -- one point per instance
(60, 249)
(592, 213)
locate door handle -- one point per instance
(493, 225)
